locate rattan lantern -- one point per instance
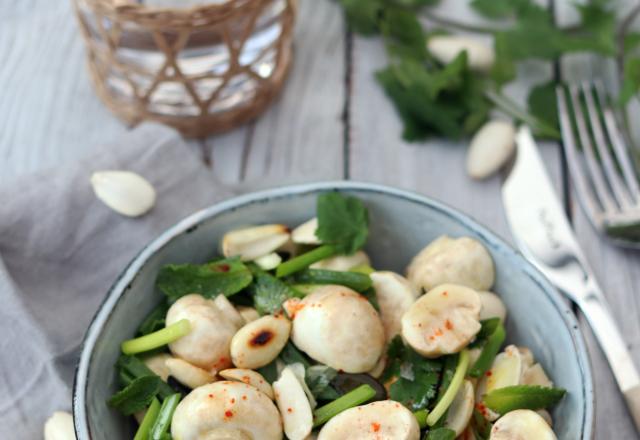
(202, 70)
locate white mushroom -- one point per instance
(443, 321)
(226, 409)
(207, 344)
(546, 416)
(59, 427)
(225, 306)
(269, 261)
(248, 313)
(260, 341)
(378, 420)
(254, 242)
(462, 261)
(461, 409)
(445, 48)
(492, 306)
(521, 424)
(187, 374)
(249, 377)
(338, 327)
(306, 233)
(293, 405)
(527, 356)
(395, 295)
(535, 375)
(156, 363)
(379, 368)
(343, 262)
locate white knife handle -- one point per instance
(614, 347)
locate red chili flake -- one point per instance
(246, 379)
(445, 293)
(375, 427)
(432, 338)
(262, 338)
(233, 400)
(228, 413)
(211, 396)
(439, 332)
(244, 397)
(289, 410)
(221, 267)
(448, 325)
(488, 373)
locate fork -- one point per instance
(603, 175)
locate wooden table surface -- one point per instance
(331, 122)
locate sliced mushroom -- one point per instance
(207, 344)
(260, 341)
(443, 321)
(338, 327)
(293, 405)
(461, 409)
(59, 427)
(535, 375)
(492, 306)
(395, 295)
(249, 377)
(300, 372)
(156, 363)
(343, 262)
(230, 312)
(248, 313)
(269, 261)
(306, 233)
(385, 419)
(521, 424)
(187, 374)
(227, 434)
(462, 261)
(254, 242)
(226, 408)
(505, 371)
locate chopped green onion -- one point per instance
(515, 397)
(489, 352)
(305, 260)
(421, 417)
(162, 422)
(157, 339)
(354, 280)
(147, 422)
(363, 268)
(446, 400)
(353, 398)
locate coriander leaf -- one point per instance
(269, 293)
(416, 3)
(363, 15)
(343, 221)
(631, 42)
(132, 367)
(227, 277)
(511, 398)
(416, 378)
(631, 83)
(357, 281)
(136, 396)
(543, 105)
(494, 8)
(597, 29)
(402, 27)
(291, 355)
(441, 434)
(318, 378)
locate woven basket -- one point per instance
(197, 69)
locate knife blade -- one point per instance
(544, 236)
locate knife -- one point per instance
(544, 236)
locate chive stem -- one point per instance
(147, 422)
(363, 268)
(305, 260)
(421, 417)
(162, 422)
(353, 398)
(157, 339)
(446, 400)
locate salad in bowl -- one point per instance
(291, 333)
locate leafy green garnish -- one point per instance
(494, 8)
(291, 355)
(136, 396)
(417, 378)
(543, 104)
(226, 277)
(154, 321)
(441, 434)
(269, 293)
(132, 367)
(353, 398)
(490, 349)
(533, 397)
(319, 379)
(343, 221)
(357, 281)
(481, 425)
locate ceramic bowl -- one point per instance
(401, 224)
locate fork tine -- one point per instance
(618, 188)
(619, 147)
(587, 147)
(571, 151)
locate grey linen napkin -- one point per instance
(60, 250)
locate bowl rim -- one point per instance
(192, 221)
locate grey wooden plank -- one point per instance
(300, 136)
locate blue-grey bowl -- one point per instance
(401, 224)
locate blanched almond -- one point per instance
(248, 313)
(156, 363)
(490, 148)
(59, 427)
(461, 409)
(260, 341)
(293, 405)
(229, 311)
(187, 374)
(535, 375)
(249, 377)
(445, 48)
(306, 233)
(125, 192)
(505, 371)
(254, 242)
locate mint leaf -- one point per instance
(543, 104)
(441, 434)
(226, 277)
(493, 8)
(417, 378)
(511, 398)
(363, 15)
(631, 84)
(343, 222)
(269, 293)
(136, 396)
(403, 30)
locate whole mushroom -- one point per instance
(461, 260)
(521, 424)
(395, 295)
(207, 344)
(226, 410)
(338, 327)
